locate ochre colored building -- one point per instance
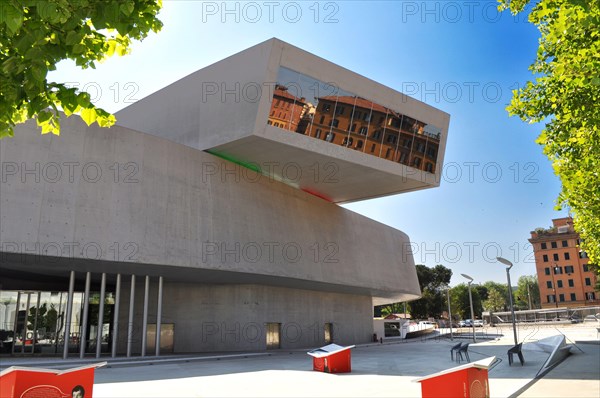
(562, 268)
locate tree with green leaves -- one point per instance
(460, 305)
(527, 290)
(566, 96)
(495, 301)
(35, 35)
(433, 282)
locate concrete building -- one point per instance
(195, 217)
(562, 268)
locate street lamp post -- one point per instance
(471, 303)
(510, 294)
(449, 312)
(552, 273)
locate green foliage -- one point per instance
(495, 301)
(395, 308)
(566, 96)
(460, 305)
(37, 34)
(523, 293)
(433, 282)
(498, 293)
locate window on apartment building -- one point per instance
(376, 135)
(372, 148)
(569, 269)
(549, 284)
(547, 270)
(567, 256)
(318, 133)
(431, 152)
(553, 245)
(591, 295)
(573, 297)
(571, 283)
(559, 283)
(544, 246)
(335, 123)
(551, 298)
(416, 162)
(565, 243)
(391, 139)
(561, 297)
(583, 254)
(326, 107)
(330, 137)
(359, 144)
(429, 167)
(585, 268)
(387, 153)
(563, 229)
(353, 128)
(545, 257)
(339, 110)
(558, 270)
(322, 120)
(555, 256)
(588, 282)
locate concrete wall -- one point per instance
(233, 317)
(215, 105)
(141, 204)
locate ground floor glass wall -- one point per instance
(34, 322)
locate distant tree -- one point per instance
(433, 282)
(459, 298)
(395, 308)
(503, 292)
(494, 302)
(527, 288)
(566, 97)
(35, 35)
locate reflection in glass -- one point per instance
(307, 106)
(34, 322)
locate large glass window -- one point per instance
(350, 116)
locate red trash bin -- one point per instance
(332, 358)
(22, 382)
(468, 381)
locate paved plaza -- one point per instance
(382, 370)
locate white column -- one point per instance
(159, 315)
(84, 320)
(115, 333)
(67, 321)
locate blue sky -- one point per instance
(461, 57)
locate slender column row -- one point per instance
(115, 329)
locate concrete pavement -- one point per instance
(386, 370)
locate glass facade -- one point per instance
(302, 104)
(34, 322)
